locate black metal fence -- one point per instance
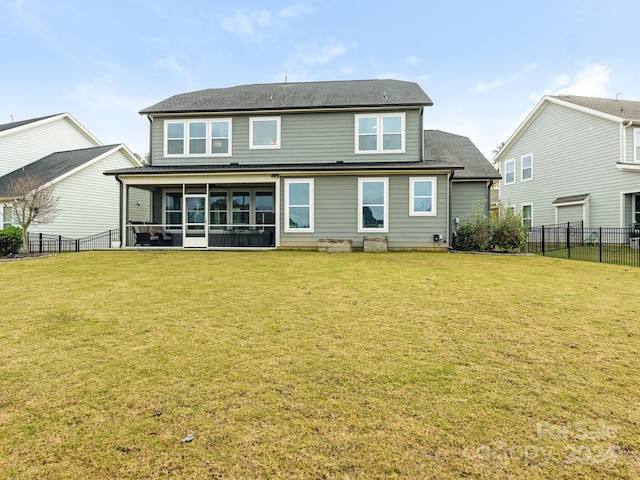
(44, 243)
(593, 244)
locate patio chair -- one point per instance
(592, 239)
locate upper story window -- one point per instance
(527, 167)
(198, 138)
(264, 132)
(383, 133)
(373, 200)
(423, 196)
(510, 171)
(636, 145)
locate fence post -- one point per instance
(543, 240)
(40, 242)
(600, 242)
(77, 245)
(59, 243)
(568, 239)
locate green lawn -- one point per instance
(303, 365)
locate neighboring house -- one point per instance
(58, 151)
(285, 165)
(575, 159)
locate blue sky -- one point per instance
(484, 64)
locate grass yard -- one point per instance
(304, 365)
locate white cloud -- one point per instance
(348, 71)
(251, 24)
(413, 60)
(171, 63)
(102, 94)
(591, 81)
(483, 87)
(319, 53)
(295, 11)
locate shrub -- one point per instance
(10, 241)
(475, 235)
(483, 233)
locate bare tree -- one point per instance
(33, 204)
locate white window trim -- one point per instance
(380, 134)
(287, 182)
(210, 136)
(275, 146)
(636, 145)
(522, 211)
(506, 163)
(434, 190)
(361, 181)
(166, 138)
(522, 179)
(185, 139)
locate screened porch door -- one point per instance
(195, 228)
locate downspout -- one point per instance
(150, 133)
(121, 202)
(449, 233)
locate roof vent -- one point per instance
(384, 95)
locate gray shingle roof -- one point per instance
(458, 150)
(304, 95)
(570, 199)
(9, 126)
(625, 109)
(51, 167)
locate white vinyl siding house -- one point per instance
(580, 147)
(59, 152)
(33, 140)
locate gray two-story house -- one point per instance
(286, 165)
(575, 159)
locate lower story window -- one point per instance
(423, 196)
(373, 198)
(7, 216)
(527, 215)
(298, 205)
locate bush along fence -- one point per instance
(594, 244)
(44, 243)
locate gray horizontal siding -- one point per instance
(466, 197)
(336, 214)
(305, 138)
(574, 153)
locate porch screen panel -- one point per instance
(173, 208)
(264, 208)
(241, 207)
(218, 208)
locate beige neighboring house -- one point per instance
(57, 150)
